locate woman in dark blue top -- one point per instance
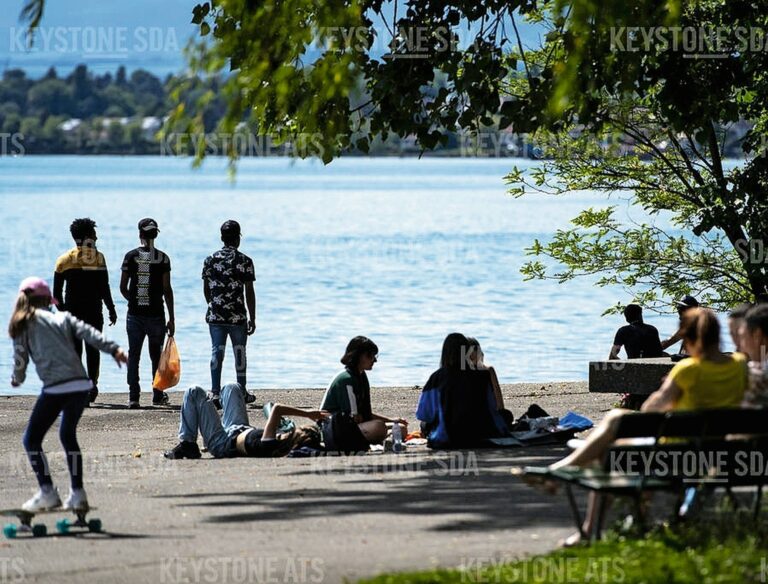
(457, 406)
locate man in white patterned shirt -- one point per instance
(228, 277)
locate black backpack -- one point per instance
(342, 434)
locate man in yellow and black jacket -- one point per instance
(81, 285)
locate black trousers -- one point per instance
(92, 354)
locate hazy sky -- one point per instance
(105, 34)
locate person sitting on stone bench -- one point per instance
(232, 435)
(640, 340)
(685, 304)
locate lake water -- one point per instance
(401, 250)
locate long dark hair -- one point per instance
(455, 350)
(356, 348)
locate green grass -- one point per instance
(734, 551)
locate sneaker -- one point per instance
(94, 394)
(133, 404)
(249, 397)
(161, 399)
(77, 500)
(184, 450)
(44, 500)
(214, 399)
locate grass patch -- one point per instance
(726, 551)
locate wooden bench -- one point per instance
(689, 454)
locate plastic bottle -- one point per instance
(397, 439)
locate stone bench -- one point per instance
(637, 376)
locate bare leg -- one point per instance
(590, 517)
(596, 443)
(374, 431)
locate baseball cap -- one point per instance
(230, 227)
(148, 224)
(34, 286)
(687, 301)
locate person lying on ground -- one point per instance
(640, 340)
(457, 407)
(350, 391)
(231, 435)
(708, 379)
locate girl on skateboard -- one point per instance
(48, 338)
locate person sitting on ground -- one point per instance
(457, 406)
(350, 392)
(640, 340)
(685, 304)
(477, 358)
(708, 379)
(232, 435)
(753, 339)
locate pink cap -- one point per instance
(35, 286)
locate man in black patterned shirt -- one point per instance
(146, 285)
(228, 277)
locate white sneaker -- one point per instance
(43, 501)
(77, 500)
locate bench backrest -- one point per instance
(730, 435)
(694, 425)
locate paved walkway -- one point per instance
(282, 520)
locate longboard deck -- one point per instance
(18, 512)
(63, 526)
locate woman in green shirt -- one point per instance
(350, 392)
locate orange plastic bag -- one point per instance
(169, 369)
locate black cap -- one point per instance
(687, 301)
(230, 228)
(148, 224)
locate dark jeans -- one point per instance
(139, 327)
(44, 414)
(92, 354)
(238, 335)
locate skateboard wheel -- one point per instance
(62, 525)
(94, 525)
(10, 531)
(39, 530)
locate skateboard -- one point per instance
(63, 526)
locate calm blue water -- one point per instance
(401, 250)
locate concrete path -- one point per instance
(282, 520)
